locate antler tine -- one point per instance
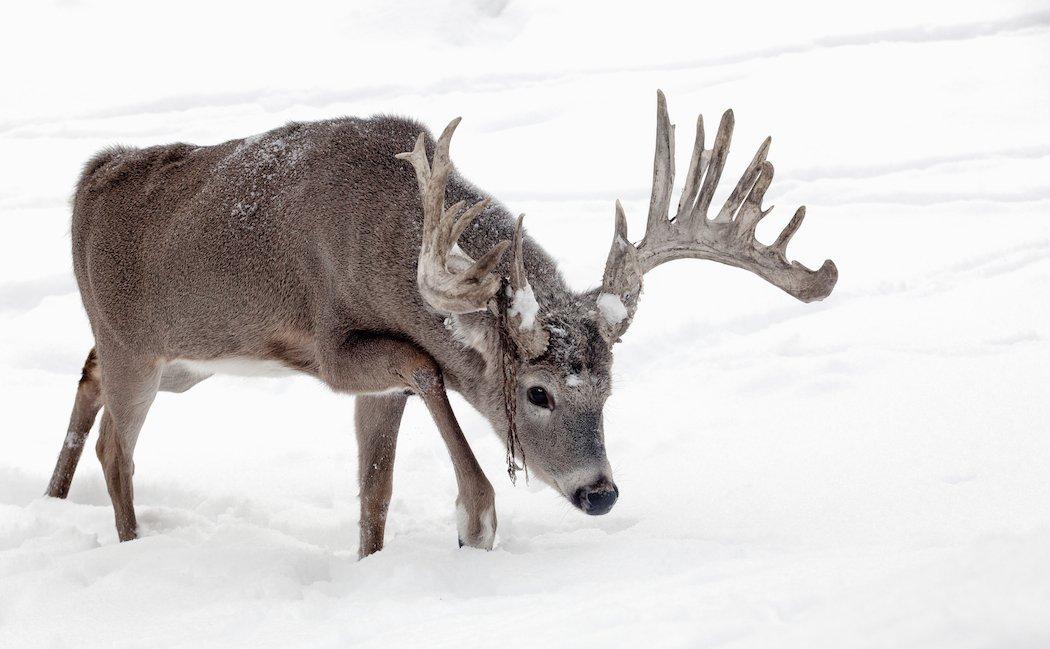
(751, 211)
(456, 229)
(517, 268)
(479, 272)
(418, 157)
(697, 164)
(442, 165)
(448, 221)
(697, 217)
(663, 169)
(621, 266)
(744, 185)
(448, 279)
(781, 244)
(440, 169)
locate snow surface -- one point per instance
(868, 471)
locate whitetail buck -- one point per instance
(308, 249)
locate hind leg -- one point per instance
(85, 409)
(377, 419)
(129, 386)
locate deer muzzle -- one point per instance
(597, 498)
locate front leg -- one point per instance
(476, 502)
(370, 363)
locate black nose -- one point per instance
(596, 499)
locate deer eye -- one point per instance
(538, 397)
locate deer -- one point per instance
(351, 250)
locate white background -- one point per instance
(872, 470)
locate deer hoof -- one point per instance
(477, 529)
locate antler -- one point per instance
(523, 311)
(449, 280)
(728, 238)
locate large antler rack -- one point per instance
(449, 279)
(728, 238)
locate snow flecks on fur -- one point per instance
(265, 152)
(524, 305)
(259, 161)
(573, 381)
(612, 308)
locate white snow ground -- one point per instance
(870, 471)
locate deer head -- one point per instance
(556, 347)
